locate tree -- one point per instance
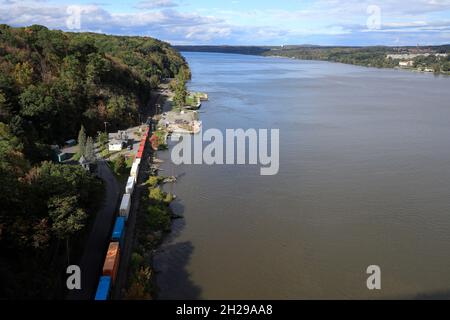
(446, 67)
(156, 194)
(23, 73)
(116, 109)
(71, 73)
(17, 126)
(40, 107)
(102, 138)
(67, 218)
(4, 107)
(180, 93)
(140, 287)
(82, 141)
(89, 152)
(436, 68)
(154, 81)
(119, 165)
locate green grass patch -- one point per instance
(190, 100)
(129, 162)
(76, 157)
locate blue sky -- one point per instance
(245, 22)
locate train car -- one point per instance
(118, 234)
(129, 188)
(125, 206)
(139, 154)
(135, 167)
(111, 264)
(104, 288)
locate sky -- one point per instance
(245, 22)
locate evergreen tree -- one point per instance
(102, 138)
(82, 141)
(89, 152)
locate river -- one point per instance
(364, 179)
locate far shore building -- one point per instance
(406, 64)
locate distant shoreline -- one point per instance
(358, 65)
(426, 58)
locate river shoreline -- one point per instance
(141, 283)
(445, 74)
(153, 205)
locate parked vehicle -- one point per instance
(71, 143)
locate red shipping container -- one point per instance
(112, 259)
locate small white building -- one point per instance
(406, 64)
(116, 145)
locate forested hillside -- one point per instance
(51, 83)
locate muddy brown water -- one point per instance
(364, 179)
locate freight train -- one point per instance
(112, 259)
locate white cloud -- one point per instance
(156, 4)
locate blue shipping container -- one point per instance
(119, 230)
(104, 286)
